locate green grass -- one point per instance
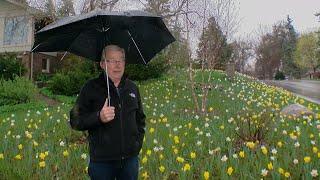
(61, 98)
(175, 130)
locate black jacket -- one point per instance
(123, 136)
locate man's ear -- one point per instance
(102, 64)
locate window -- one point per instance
(16, 30)
(45, 65)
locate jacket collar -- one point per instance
(103, 78)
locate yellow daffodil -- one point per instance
(42, 156)
(270, 166)
(287, 174)
(29, 136)
(144, 159)
(161, 156)
(230, 171)
(281, 171)
(42, 164)
(164, 120)
(210, 109)
(151, 130)
(176, 151)
(180, 159)
(65, 153)
(311, 136)
(149, 152)
(162, 169)
(307, 159)
(186, 167)
(193, 155)
(250, 145)
(314, 149)
(206, 175)
(264, 150)
(241, 154)
(1, 156)
(20, 146)
(18, 157)
(176, 139)
(145, 175)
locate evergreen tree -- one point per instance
(288, 47)
(213, 49)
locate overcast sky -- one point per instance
(254, 13)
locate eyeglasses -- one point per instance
(115, 61)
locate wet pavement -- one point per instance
(307, 89)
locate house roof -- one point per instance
(29, 9)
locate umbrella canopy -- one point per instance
(141, 34)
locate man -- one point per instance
(115, 132)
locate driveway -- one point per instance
(307, 89)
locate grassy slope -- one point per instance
(174, 131)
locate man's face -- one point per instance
(115, 63)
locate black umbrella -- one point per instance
(139, 33)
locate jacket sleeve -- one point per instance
(81, 116)
(141, 117)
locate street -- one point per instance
(308, 89)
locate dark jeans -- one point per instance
(126, 169)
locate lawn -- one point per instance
(243, 135)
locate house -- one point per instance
(313, 74)
(17, 28)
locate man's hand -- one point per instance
(107, 112)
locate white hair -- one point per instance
(112, 48)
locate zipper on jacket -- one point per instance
(121, 125)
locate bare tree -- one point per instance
(49, 7)
(223, 15)
(241, 53)
(66, 8)
(90, 5)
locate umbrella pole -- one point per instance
(106, 69)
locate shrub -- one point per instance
(75, 71)
(254, 127)
(68, 83)
(73, 62)
(43, 77)
(279, 76)
(154, 69)
(16, 91)
(10, 66)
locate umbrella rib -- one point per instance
(36, 47)
(65, 53)
(134, 42)
(103, 29)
